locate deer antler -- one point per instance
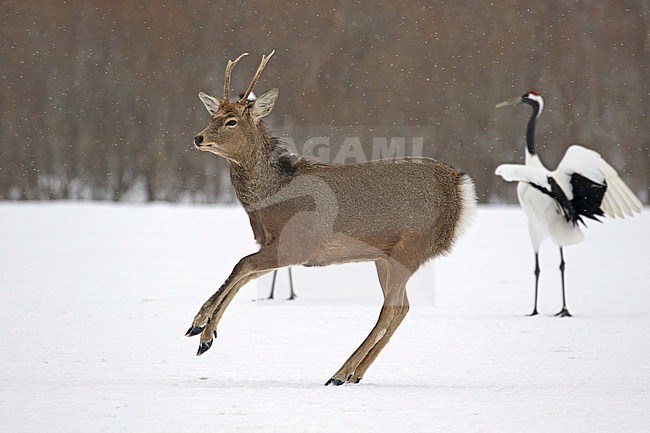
(265, 60)
(226, 82)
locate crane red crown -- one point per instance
(532, 92)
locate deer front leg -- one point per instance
(210, 329)
(206, 320)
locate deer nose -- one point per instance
(198, 140)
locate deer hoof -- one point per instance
(334, 381)
(194, 330)
(203, 347)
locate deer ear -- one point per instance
(264, 104)
(212, 104)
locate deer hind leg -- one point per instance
(397, 320)
(206, 320)
(372, 355)
(393, 278)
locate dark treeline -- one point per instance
(98, 99)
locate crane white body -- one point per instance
(544, 220)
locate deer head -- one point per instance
(234, 125)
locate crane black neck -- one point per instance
(530, 130)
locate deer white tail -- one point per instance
(468, 199)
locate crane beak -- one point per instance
(512, 101)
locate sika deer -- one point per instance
(398, 213)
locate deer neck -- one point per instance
(253, 177)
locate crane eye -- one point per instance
(231, 123)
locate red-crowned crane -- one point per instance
(555, 202)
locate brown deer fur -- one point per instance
(398, 213)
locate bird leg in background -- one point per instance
(292, 295)
(275, 275)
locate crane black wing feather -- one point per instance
(587, 197)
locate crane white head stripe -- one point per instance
(534, 96)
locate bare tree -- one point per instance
(95, 97)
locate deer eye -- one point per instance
(231, 123)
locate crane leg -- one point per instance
(534, 313)
(564, 312)
(293, 294)
(275, 274)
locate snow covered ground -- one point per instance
(95, 300)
